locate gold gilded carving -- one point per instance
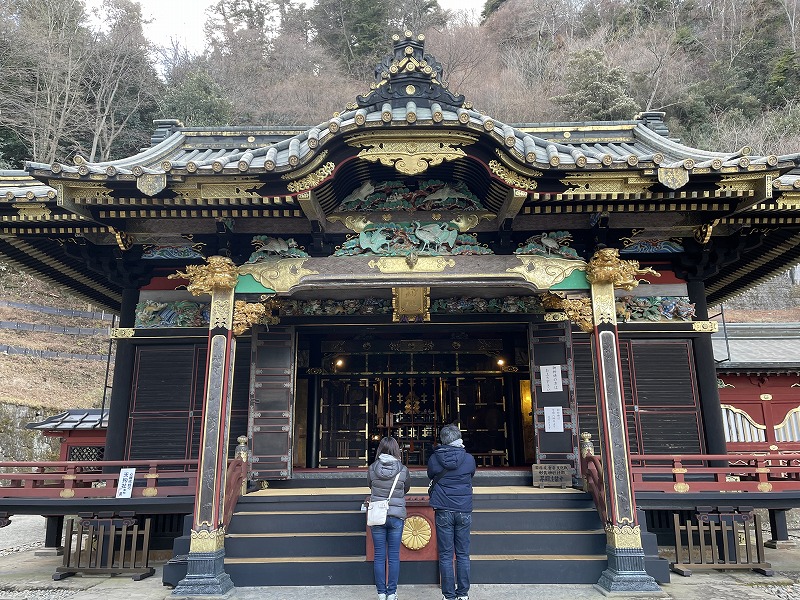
(416, 532)
(418, 264)
(219, 272)
(34, 211)
(312, 180)
(411, 153)
(67, 493)
(510, 177)
(124, 240)
(207, 540)
(411, 304)
(702, 234)
(308, 168)
(151, 183)
(679, 470)
(246, 314)
(222, 310)
(624, 536)
(556, 316)
(467, 221)
(673, 177)
(766, 397)
(122, 332)
(218, 191)
(543, 271)
(681, 488)
(607, 267)
(280, 275)
(742, 183)
(590, 183)
(577, 310)
(512, 164)
(764, 487)
(789, 200)
(150, 492)
(355, 223)
(705, 326)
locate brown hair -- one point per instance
(389, 445)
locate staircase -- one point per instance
(317, 536)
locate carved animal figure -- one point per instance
(360, 193)
(374, 240)
(271, 245)
(436, 235)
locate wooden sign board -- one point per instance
(552, 475)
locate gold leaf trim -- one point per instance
(150, 492)
(122, 332)
(624, 536)
(207, 540)
(607, 267)
(545, 272)
(219, 272)
(417, 532)
(420, 264)
(312, 180)
(279, 275)
(681, 488)
(510, 177)
(705, 326)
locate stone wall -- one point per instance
(781, 292)
(18, 443)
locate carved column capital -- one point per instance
(606, 267)
(577, 310)
(220, 273)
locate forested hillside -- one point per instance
(726, 72)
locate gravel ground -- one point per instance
(24, 532)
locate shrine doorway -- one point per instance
(353, 390)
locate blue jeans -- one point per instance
(386, 541)
(452, 535)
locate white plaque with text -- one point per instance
(551, 378)
(553, 418)
(125, 484)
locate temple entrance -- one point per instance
(382, 382)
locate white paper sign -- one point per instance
(125, 484)
(553, 418)
(551, 378)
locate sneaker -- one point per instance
(381, 596)
(391, 596)
(462, 597)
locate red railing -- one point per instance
(234, 487)
(729, 473)
(96, 479)
(592, 471)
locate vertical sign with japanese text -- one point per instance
(125, 485)
(551, 378)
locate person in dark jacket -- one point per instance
(451, 499)
(386, 538)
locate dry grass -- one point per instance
(40, 318)
(787, 315)
(51, 383)
(54, 342)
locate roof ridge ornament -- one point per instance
(408, 74)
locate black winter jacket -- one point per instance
(380, 477)
(454, 490)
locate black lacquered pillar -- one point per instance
(626, 567)
(205, 575)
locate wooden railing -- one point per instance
(729, 473)
(96, 479)
(235, 483)
(592, 472)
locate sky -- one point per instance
(183, 20)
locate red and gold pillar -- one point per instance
(626, 566)
(205, 574)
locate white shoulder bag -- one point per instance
(378, 509)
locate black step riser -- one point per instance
(537, 571)
(537, 543)
(301, 547)
(536, 521)
(277, 523)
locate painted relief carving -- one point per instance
(606, 267)
(270, 248)
(654, 308)
(153, 252)
(578, 310)
(280, 275)
(150, 314)
(545, 272)
(331, 308)
(431, 194)
(403, 239)
(548, 244)
(650, 246)
(507, 305)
